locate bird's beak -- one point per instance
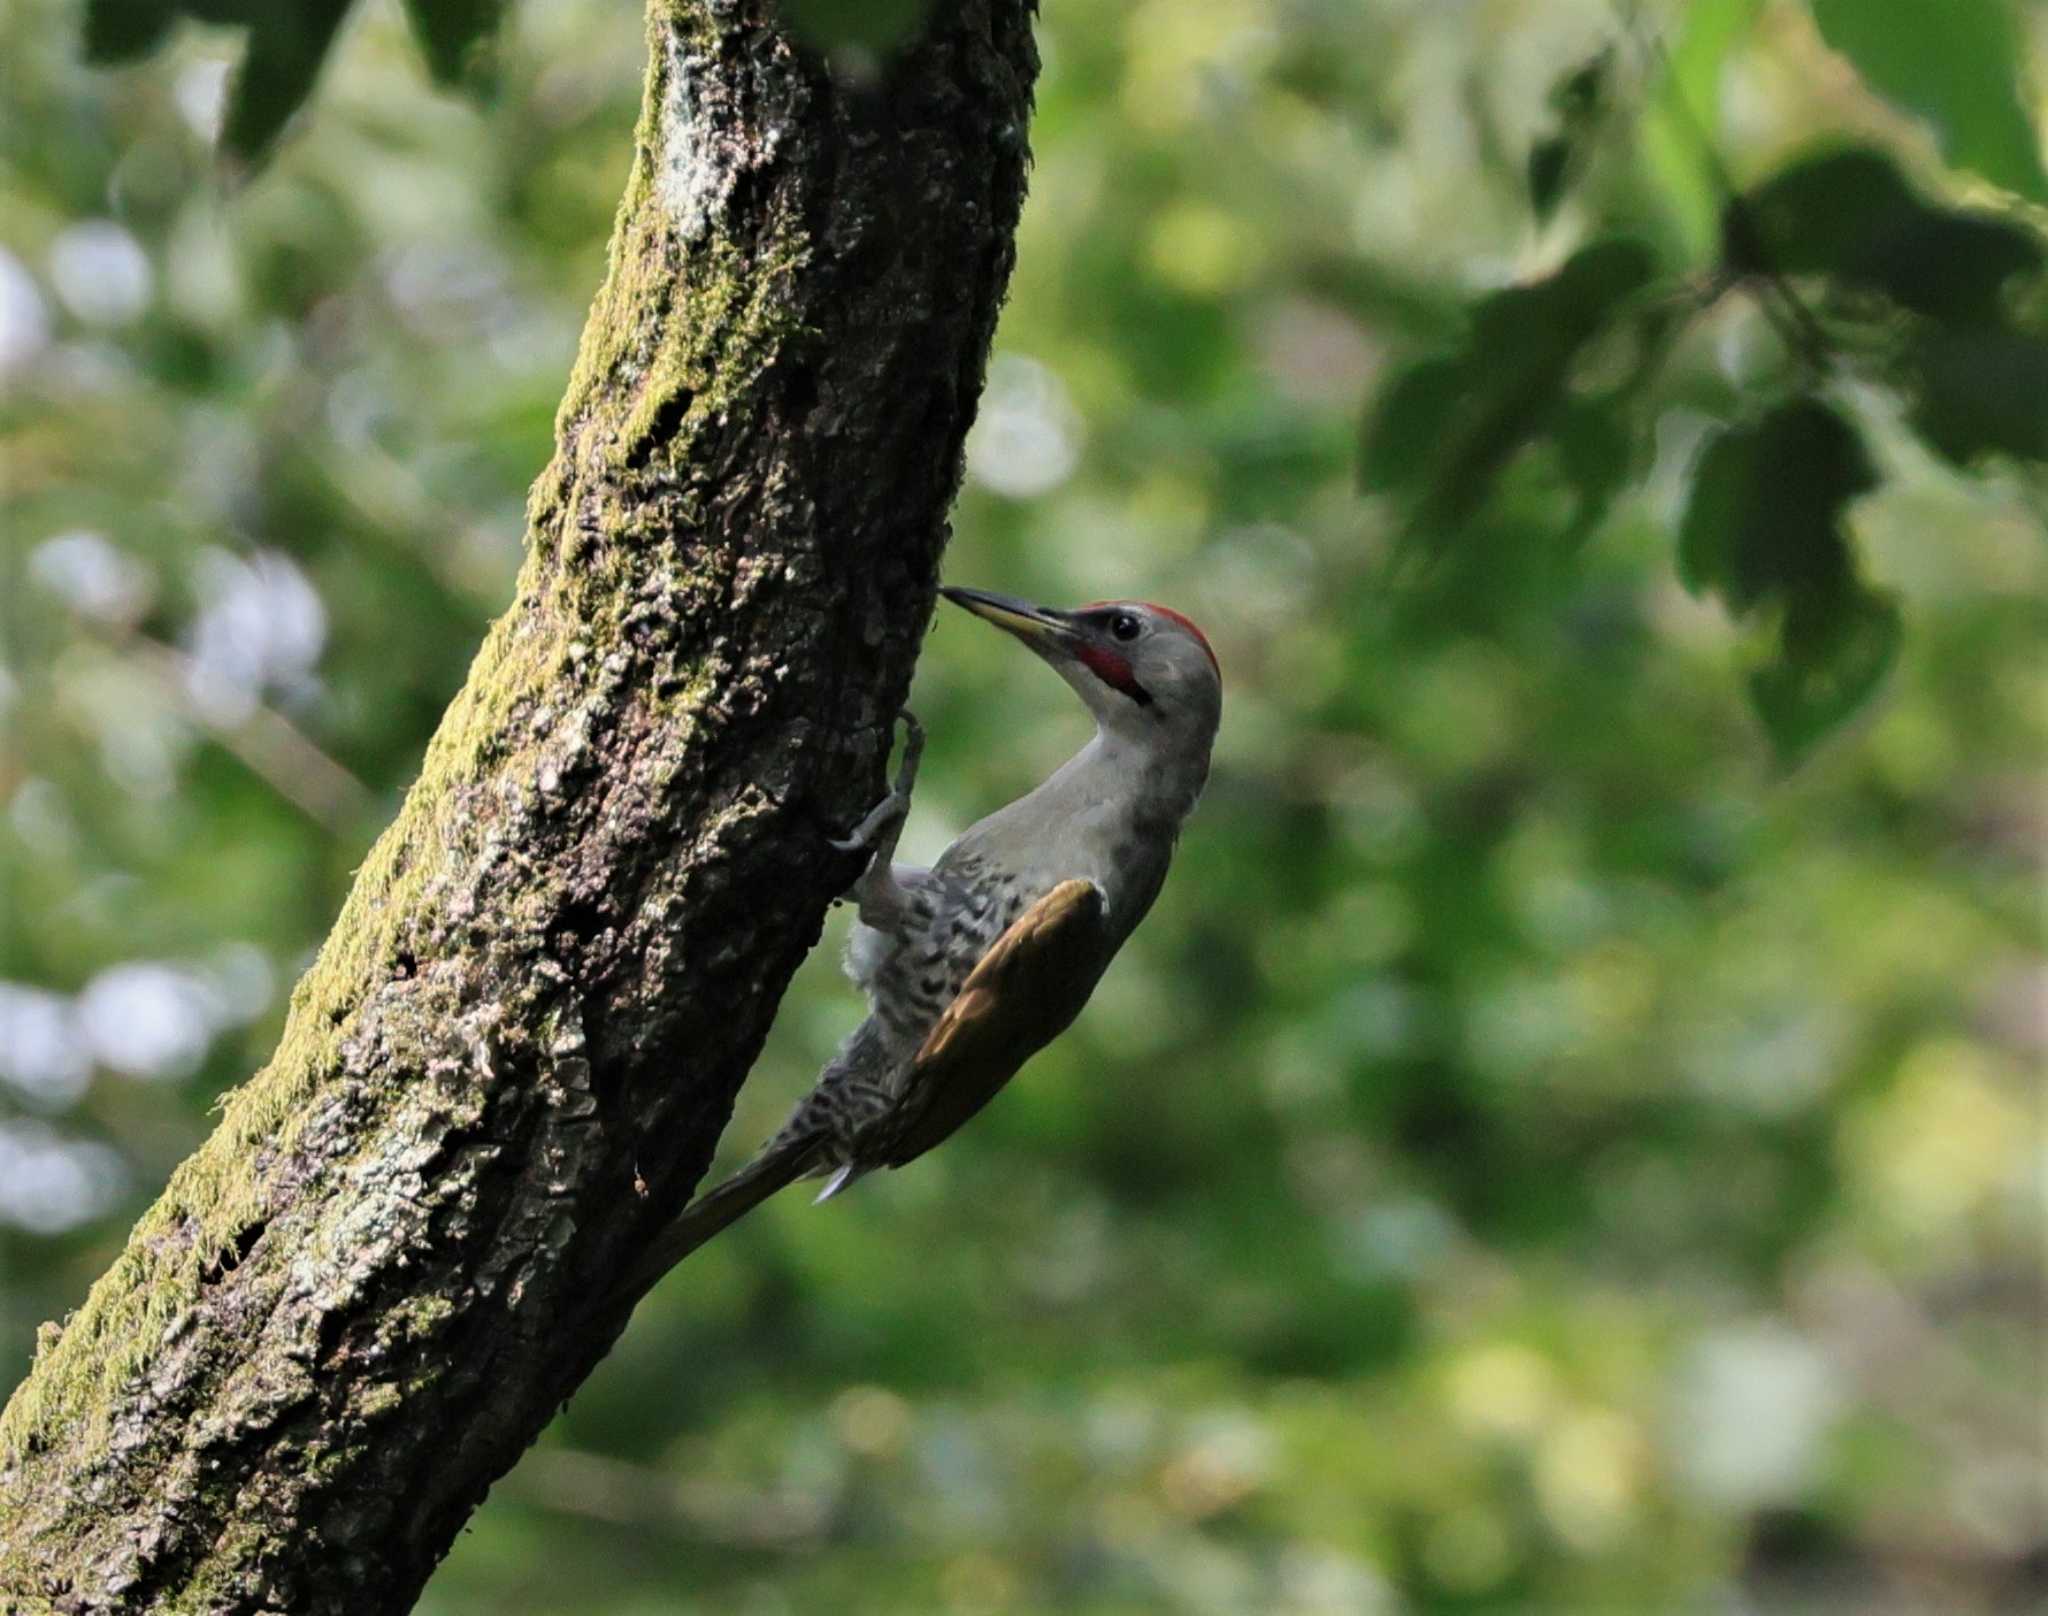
(1046, 631)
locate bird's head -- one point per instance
(1145, 671)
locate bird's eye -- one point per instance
(1125, 627)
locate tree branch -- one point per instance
(357, 1304)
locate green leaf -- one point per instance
(1578, 99)
(1834, 652)
(1850, 215)
(1956, 63)
(287, 45)
(288, 41)
(1550, 161)
(1548, 321)
(1441, 433)
(1416, 414)
(457, 38)
(1764, 516)
(1982, 392)
(1597, 452)
(1681, 124)
(223, 13)
(122, 30)
(1763, 530)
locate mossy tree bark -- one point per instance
(359, 1302)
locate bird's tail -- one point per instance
(787, 1159)
(799, 1149)
(845, 1178)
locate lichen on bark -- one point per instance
(511, 1060)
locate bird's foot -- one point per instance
(887, 816)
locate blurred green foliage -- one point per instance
(1542, 1154)
(1951, 61)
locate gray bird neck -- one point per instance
(1110, 814)
(1154, 780)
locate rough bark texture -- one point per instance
(361, 1300)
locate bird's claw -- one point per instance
(888, 814)
(913, 749)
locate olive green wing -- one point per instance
(1026, 991)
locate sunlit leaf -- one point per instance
(1957, 64)
(1680, 128)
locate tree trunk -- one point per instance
(365, 1295)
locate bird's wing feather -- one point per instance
(1025, 991)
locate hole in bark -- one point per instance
(580, 921)
(230, 1257)
(406, 967)
(800, 392)
(668, 419)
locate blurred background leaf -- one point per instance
(1850, 215)
(1979, 393)
(121, 30)
(1764, 529)
(286, 44)
(1765, 519)
(1578, 100)
(1957, 63)
(1447, 427)
(457, 38)
(1680, 127)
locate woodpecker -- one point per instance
(974, 965)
